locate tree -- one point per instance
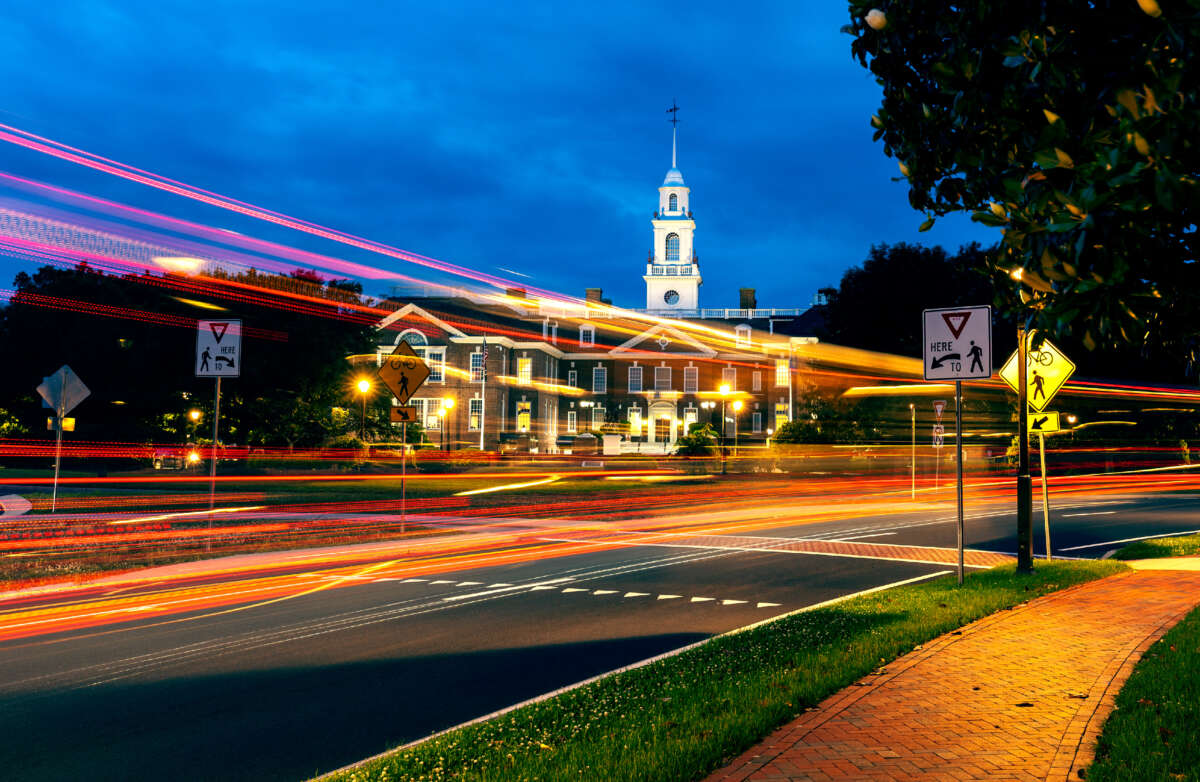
(701, 440)
(862, 311)
(1070, 124)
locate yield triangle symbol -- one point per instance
(219, 329)
(956, 322)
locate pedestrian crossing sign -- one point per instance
(403, 372)
(1047, 370)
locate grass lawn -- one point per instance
(1181, 546)
(682, 717)
(1153, 732)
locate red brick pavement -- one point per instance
(1019, 695)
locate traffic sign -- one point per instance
(405, 415)
(63, 390)
(938, 407)
(1044, 422)
(403, 372)
(939, 435)
(1047, 370)
(67, 424)
(218, 348)
(958, 343)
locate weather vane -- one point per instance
(674, 116)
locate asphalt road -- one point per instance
(283, 686)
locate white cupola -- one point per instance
(672, 270)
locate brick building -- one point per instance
(557, 368)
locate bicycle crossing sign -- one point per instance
(403, 372)
(1046, 371)
(957, 343)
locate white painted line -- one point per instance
(1091, 513)
(469, 583)
(385, 579)
(513, 588)
(414, 580)
(442, 581)
(669, 597)
(1134, 540)
(859, 537)
(636, 594)
(731, 602)
(540, 588)
(604, 592)
(633, 666)
(702, 599)
(501, 584)
(767, 605)
(574, 589)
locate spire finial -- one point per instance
(674, 112)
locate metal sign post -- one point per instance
(403, 372)
(218, 355)
(1045, 493)
(957, 346)
(61, 392)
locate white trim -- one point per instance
(410, 308)
(662, 328)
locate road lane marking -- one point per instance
(702, 599)
(636, 594)
(1134, 540)
(668, 597)
(767, 605)
(575, 589)
(604, 592)
(1089, 513)
(731, 602)
(488, 592)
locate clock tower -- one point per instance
(672, 271)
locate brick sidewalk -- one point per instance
(1019, 695)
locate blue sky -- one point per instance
(522, 136)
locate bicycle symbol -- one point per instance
(1041, 357)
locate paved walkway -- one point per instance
(1020, 695)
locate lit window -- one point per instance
(475, 417)
(571, 422)
(524, 370)
(477, 367)
(599, 380)
(587, 336)
(635, 420)
(729, 378)
(741, 334)
(673, 203)
(672, 247)
(598, 418)
(412, 337)
(691, 380)
(635, 379)
(523, 415)
(662, 378)
(690, 415)
(756, 381)
(782, 375)
(435, 359)
(781, 414)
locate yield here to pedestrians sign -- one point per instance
(958, 343)
(218, 348)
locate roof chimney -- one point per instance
(746, 299)
(593, 294)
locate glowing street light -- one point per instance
(364, 387)
(194, 415)
(447, 406)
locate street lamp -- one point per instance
(724, 391)
(442, 424)
(364, 387)
(737, 408)
(447, 406)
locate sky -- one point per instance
(525, 140)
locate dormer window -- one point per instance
(587, 336)
(674, 203)
(741, 334)
(672, 247)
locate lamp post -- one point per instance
(912, 410)
(447, 406)
(442, 425)
(724, 391)
(364, 387)
(737, 408)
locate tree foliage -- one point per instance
(1069, 124)
(141, 373)
(863, 311)
(701, 440)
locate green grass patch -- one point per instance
(1152, 734)
(1180, 546)
(680, 718)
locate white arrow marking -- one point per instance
(668, 597)
(702, 599)
(731, 602)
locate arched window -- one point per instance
(672, 247)
(412, 337)
(742, 335)
(674, 203)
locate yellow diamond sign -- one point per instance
(1046, 371)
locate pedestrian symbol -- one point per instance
(218, 348)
